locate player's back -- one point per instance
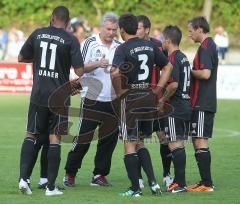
(140, 57)
(52, 56)
(181, 74)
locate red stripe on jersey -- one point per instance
(205, 44)
(194, 83)
(156, 70)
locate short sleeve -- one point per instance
(119, 57)
(27, 50)
(76, 56)
(205, 59)
(160, 59)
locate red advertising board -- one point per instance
(15, 78)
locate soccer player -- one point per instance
(53, 51)
(203, 99)
(97, 54)
(144, 26)
(133, 62)
(176, 125)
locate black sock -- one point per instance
(179, 162)
(44, 161)
(146, 163)
(37, 147)
(27, 154)
(166, 159)
(139, 171)
(54, 157)
(203, 158)
(131, 164)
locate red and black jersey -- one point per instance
(156, 69)
(203, 92)
(180, 74)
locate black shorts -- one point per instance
(175, 129)
(41, 120)
(138, 111)
(96, 114)
(157, 125)
(202, 124)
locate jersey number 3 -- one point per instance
(143, 66)
(53, 48)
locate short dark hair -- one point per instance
(129, 23)
(200, 22)
(145, 20)
(77, 25)
(173, 33)
(61, 13)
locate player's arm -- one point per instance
(172, 82)
(170, 90)
(76, 58)
(165, 74)
(116, 78)
(79, 71)
(203, 74)
(162, 61)
(22, 59)
(115, 73)
(27, 52)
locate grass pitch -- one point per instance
(225, 163)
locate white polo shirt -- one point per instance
(97, 84)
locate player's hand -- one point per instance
(160, 106)
(103, 63)
(75, 86)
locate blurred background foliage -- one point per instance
(29, 14)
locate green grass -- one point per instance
(225, 163)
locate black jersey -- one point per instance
(180, 74)
(203, 92)
(136, 59)
(53, 51)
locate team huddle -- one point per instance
(128, 91)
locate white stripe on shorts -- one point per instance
(200, 123)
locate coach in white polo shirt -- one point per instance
(96, 106)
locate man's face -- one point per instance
(194, 33)
(164, 42)
(141, 31)
(108, 31)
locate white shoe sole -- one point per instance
(53, 194)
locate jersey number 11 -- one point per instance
(53, 48)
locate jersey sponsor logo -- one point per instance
(140, 86)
